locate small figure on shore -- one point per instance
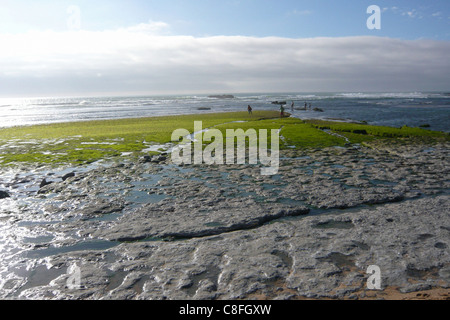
(306, 105)
(249, 109)
(310, 106)
(281, 111)
(292, 106)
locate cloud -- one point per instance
(406, 12)
(138, 59)
(301, 12)
(152, 27)
(412, 13)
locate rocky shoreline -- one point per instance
(153, 230)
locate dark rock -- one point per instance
(44, 183)
(416, 287)
(279, 102)
(158, 159)
(4, 194)
(68, 175)
(204, 108)
(222, 96)
(440, 245)
(317, 110)
(425, 236)
(145, 159)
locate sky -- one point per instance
(112, 47)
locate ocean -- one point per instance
(390, 109)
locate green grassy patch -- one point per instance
(361, 133)
(293, 132)
(84, 142)
(378, 131)
(303, 135)
(81, 142)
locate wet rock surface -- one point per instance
(4, 194)
(153, 230)
(189, 220)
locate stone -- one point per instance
(279, 102)
(145, 159)
(4, 194)
(158, 159)
(44, 183)
(68, 175)
(415, 287)
(222, 96)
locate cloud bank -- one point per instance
(139, 60)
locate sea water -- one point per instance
(391, 109)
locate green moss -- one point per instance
(84, 142)
(27, 157)
(303, 135)
(293, 132)
(93, 140)
(378, 131)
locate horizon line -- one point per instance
(139, 94)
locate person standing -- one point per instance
(250, 110)
(292, 106)
(281, 111)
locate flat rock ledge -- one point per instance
(185, 220)
(313, 257)
(153, 230)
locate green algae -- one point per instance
(86, 142)
(358, 133)
(89, 141)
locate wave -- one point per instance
(53, 103)
(342, 95)
(387, 95)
